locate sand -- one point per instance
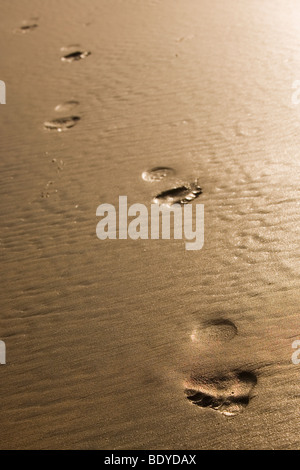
(105, 338)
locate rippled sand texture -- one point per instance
(106, 340)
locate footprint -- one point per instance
(26, 27)
(61, 124)
(157, 174)
(75, 56)
(70, 48)
(214, 331)
(180, 195)
(66, 106)
(226, 389)
(48, 190)
(229, 394)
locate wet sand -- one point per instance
(109, 342)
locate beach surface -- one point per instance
(108, 341)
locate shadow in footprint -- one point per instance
(229, 395)
(61, 124)
(180, 195)
(75, 56)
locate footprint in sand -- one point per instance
(228, 393)
(66, 106)
(70, 48)
(178, 195)
(75, 56)
(26, 27)
(214, 331)
(182, 194)
(157, 174)
(61, 124)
